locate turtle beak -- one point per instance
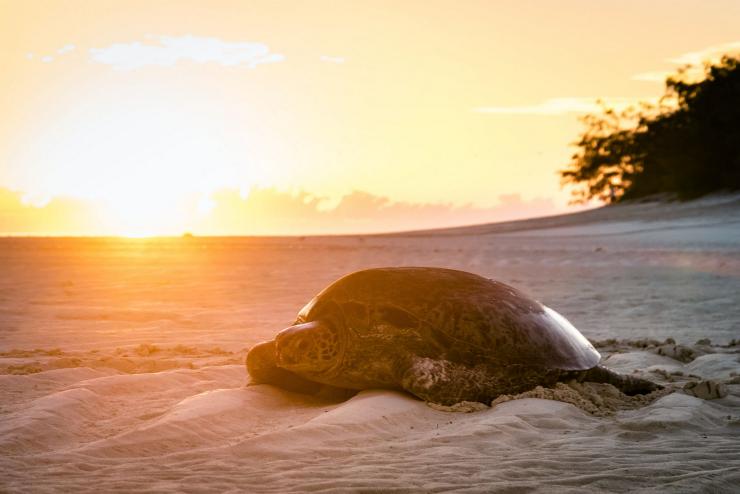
(286, 338)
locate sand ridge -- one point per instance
(199, 428)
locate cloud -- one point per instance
(693, 58)
(331, 59)
(265, 211)
(655, 76)
(27, 215)
(711, 53)
(271, 211)
(66, 49)
(50, 58)
(362, 211)
(561, 106)
(167, 51)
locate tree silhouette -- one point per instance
(688, 145)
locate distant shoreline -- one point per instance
(646, 210)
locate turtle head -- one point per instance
(308, 349)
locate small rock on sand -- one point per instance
(706, 390)
(678, 352)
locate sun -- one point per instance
(145, 157)
(147, 214)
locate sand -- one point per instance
(121, 363)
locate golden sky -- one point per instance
(239, 117)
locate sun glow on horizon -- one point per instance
(145, 215)
(142, 161)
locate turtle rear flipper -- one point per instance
(628, 385)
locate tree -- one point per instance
(688, 145)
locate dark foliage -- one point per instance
(687, 146)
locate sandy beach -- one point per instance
(122, 362)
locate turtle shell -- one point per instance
(450, 315)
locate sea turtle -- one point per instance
(443, 335)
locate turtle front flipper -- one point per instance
(446, 383)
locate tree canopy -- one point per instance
(687, 146)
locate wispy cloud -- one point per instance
(66, 49)
(43, 58)
(654, 76)
(694, 58)
(331, 59)
(49, 57)
(711, 53)
(167, 51)
(561, 106)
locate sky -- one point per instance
(276, 117)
